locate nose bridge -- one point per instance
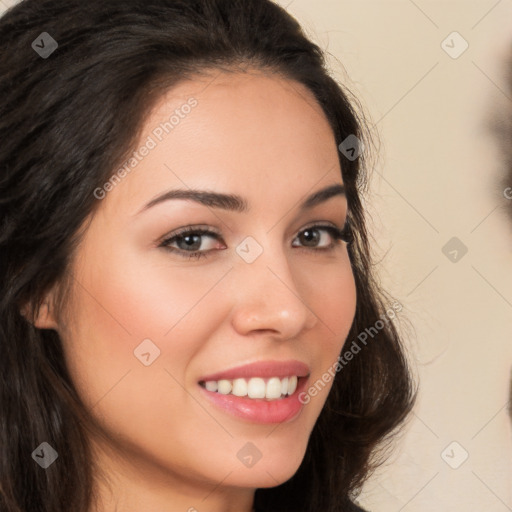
(267, 296)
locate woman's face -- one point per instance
(148, 323)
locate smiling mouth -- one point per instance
(273, 388)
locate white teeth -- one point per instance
(292, 384)
(273, 388)
(256, 387)
(211, 385)
(239, 387)
(224, 387)
(284, 386)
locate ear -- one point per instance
(44, 317)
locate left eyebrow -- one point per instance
(233, 202)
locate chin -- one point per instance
(271, 470)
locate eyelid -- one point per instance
(319, 223)
(186, 229)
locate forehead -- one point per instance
(252, 133)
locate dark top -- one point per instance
(356, 508)
(352, 507)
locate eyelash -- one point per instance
(339, 235)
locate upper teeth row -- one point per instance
(255, 387)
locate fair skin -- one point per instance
(260, 137)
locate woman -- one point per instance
(189, 317)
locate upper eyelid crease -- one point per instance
(233, 202)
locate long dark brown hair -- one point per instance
(67, 120)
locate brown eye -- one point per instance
(188, 242)
(312, 236)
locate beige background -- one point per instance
(436, 179)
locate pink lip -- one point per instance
(260, 410)
(262, 369)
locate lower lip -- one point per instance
(259, 410)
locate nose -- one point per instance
(266, 298)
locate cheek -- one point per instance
(332, 298)
(121, 303)
(334, 303)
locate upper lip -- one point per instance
(261, 369)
